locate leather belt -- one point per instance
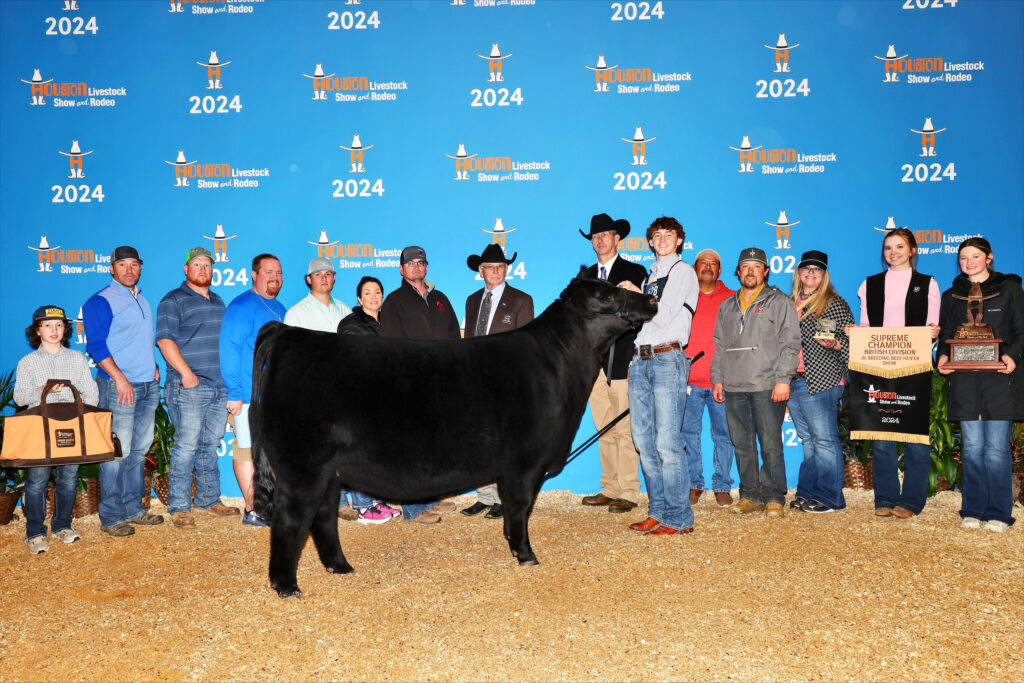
(799, 375)
(647, 352)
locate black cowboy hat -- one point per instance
(602, 222)
(492, 254)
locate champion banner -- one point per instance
(890, 383)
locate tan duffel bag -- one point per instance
(58, 433)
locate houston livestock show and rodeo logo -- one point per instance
(356, 188)
(635, 80)
(351, 88)
(782, 87)
(503, 96)
(926, 69)
(780, 161)
(216, 175)
(648, 179)
(928, 172)
(350, 256)
(68, 261)
(495, 168)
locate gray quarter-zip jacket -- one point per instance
(758, 349)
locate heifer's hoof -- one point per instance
(292, 592)
(339, 568)
(528, 561)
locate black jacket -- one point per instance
(407, 315)
(359, 322)
(616, 363)
(987, 395)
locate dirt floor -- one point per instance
(842, 596)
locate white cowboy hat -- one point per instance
(638, 136)
(783, 221)
(37, 78)
(318, 72)
(745, 145)
(890, 54)
(323, 242)
(495, 53)
(180, 161)
(499, 228)
(356, 144)
(220, 235)
(601, 64)
(44, 245)
(890, 225)
(782, 44)
(76, 151)
(928, 127)
(461, 153)
(213, 60)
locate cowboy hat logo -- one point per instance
(494, 60)
(220, 244)
(927, 134)
(639, 143)
(75, 159)
(355, 154)
(782, 48)
(782, 227)
(748, 155)
(891, 59)
(213, 66)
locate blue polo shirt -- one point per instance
(192, 321)
(119, 324)
(244, 317)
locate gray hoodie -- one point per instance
(758, 349)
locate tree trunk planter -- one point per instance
(163, 489)
(87, 502)
(147, 491)
(857, 475)
(8, 501)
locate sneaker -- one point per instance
(183, 519)
(119, 529)
(221, 510)
(774, 510)
(496, 512)
(68, 535)
(37, 545)
(384, 507)
(373, 515)
(348, 514)
(996, 525)
(252, 518)
(745, 506)
(970, 523)
(426, 517)
(146, 519)
(815, 507)
(797, 503)
(444, 506)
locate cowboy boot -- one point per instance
(636, 161)
(499, 78)
(778, 67)
(643, 160)
(210, 87)
(353, 169)
(360, 168)
(785, 67)
(785, 244)
(931, 152)
(217, 85)
(924, 151)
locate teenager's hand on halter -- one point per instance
(626, 284)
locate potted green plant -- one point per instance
(1017, 454)
(944, 437)
(158, 460)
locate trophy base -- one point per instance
(975, 354)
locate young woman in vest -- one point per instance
(900, 297)
(50, 334)
(985, 403)
(814, 394)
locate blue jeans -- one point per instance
(199, 416)
(657, 404)
(34, 503)
(816, 418)
(917, 465)
(754, 414)
(359, 500)
(988, 470)
(122, 479)
(693, 422)
(414, 509)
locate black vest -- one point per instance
(916, 308)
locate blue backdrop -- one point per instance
(539, 114)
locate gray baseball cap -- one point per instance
(319, 264)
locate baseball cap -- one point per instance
(753, 254)
(704, 252)
(125, 252)
(48, 313)
(814, 258)
(411, 253)
(318, 264)
(196, 252)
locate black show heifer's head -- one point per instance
(610, 310)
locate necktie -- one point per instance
(485, 314)
(604, 273)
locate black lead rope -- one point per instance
(604, 430)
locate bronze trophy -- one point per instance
(974, 347)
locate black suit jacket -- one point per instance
(616, 363)
(515, 309)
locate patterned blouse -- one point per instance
(825, 368)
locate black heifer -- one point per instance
(409, 420)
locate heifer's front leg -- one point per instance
(517, 499)
(293, 513)
(325, 531)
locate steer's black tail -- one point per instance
(263, 494)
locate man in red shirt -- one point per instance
(713, 292)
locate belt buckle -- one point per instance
(646, 352)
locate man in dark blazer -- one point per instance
(620, 464)
(498, 307)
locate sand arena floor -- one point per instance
(843, 596)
